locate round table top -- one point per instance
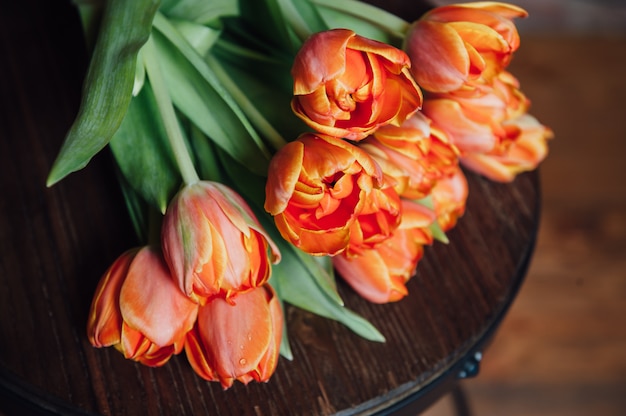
(55, 243)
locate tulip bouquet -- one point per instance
(263, 145)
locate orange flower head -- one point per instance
(347, 86)
(138, 309)
(474, 123)
(380, 274)
(316, 188)
(449, 197)
(527, 147)
(414, 154)
(214, 244)
(461, 46)
(238, 340)
(379, 218)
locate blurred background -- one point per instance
(562, 348)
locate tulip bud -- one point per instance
(462, 46)
(213, 243)
(526, 149)
(238, 340)
(138, 309)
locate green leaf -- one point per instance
(285, 347)
(140, 75)
(141, 149)
(435, 227)
(438, 233)
(136, 207)
(302, 17)
(270, 84)
(90, 12)
(200, 11)
(198, 94)
(108, 85)
(298, 285)
(204, 152)
(354, 14)
(262, 23)
(200, 37)
(338, 19)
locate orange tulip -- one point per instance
(213, 243)
(524, 153)
(379, 275)
(316, 188)
(473, 123)
(347, 86)
(238, 340)
(138, 309)
(449, 197)
(376, 222)
(414, 154)
(462, 46)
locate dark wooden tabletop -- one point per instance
(55, 243)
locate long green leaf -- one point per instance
(200, 37)
(359, 11)
(200, 11)
(262, 23)
(303, 17)
(142, 151)
(108, 86)
(296, 284)
(285, 346)
(137, 208)
(197, 93)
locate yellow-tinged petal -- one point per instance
(284, 171)
(104, 324)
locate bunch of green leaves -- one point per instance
(225, 68)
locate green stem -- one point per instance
(256, 118)
(166, 110)
(297, 23)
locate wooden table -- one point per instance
(55, 243)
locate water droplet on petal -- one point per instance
(242, 361)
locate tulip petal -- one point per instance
(283, 176)
(464, 133)
(440, 62)
(104, 324)
(239, 340)
(151, 303)
(322, 60)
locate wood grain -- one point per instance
(562, 349)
